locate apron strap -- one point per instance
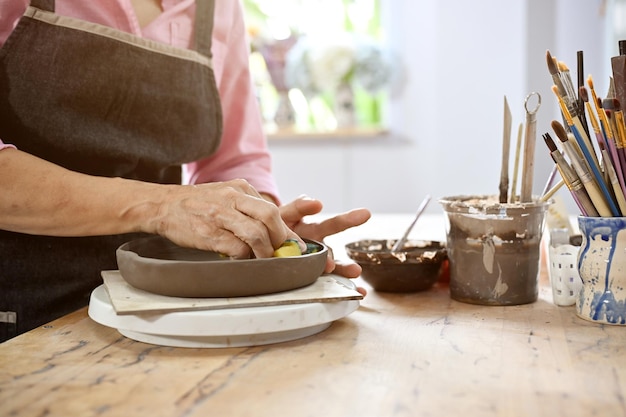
(205, 11)
(47, 5)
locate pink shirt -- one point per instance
(243, 152)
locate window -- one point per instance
(319, 65)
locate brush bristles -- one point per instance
(584, 96)
(550, 142)
(555, 90)
(590, 82)
(552, 67)
(559, 130)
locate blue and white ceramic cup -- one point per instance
(602, 268)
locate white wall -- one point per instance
(462, 57)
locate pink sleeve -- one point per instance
(5, 145)
(243, 152)
(10, 12)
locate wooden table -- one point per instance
(411, 355)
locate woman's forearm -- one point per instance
(38, 197)
(229, 217)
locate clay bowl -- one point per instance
(156, 265)
(416, 267)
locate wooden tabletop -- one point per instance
(419, 354)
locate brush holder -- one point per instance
(563, 267)
(602, 268)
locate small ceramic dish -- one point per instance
(415, 267)
(156, 265)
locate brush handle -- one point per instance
(599, 181)
(583, 200)
(617, 189)
(587, 181)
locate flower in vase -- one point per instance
(317, 65)
(298, 69)
(374, 69)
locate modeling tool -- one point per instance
(592, 163)
(529, 148)
(618, 66)
(571, 179)
(592, 187)
(506, 145)
(518, 148)
(611, 90)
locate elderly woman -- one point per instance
(124, 117)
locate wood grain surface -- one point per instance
(419, 354)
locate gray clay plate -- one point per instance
(156, 265)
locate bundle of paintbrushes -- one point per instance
(593, 170)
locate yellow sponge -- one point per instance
(289, 248)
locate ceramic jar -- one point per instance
(602, 268)
(493, 249)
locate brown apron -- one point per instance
(103, 102)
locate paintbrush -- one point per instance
(549, 193)
(614, 105)
(608, 133)
(529, 149)
(617, 189)
(576, 188)
(570, 96)
(593, 188)
(617, 137)
(608, 147)
(580, 75)
(506, 145)
(606, 127)
(518, 147)
(600, 139)
(584, 143)
(550, 180)
(553, 68)
(615, 117)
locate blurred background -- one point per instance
(375, 104)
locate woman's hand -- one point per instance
(227, 217)
(293, 214)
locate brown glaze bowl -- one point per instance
(415, 267)
(156, 265)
